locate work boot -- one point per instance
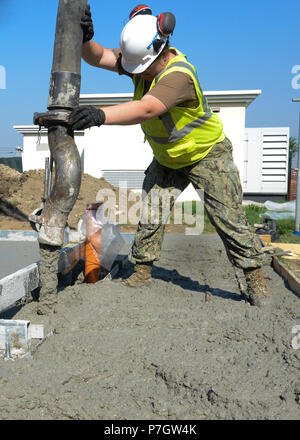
(141, 275)
(257, 289)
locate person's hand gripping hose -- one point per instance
(86, 117)
(87, 25)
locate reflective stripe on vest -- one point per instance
(175, 135)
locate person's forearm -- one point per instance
(92, 53)
(98, 56)
(129, 113)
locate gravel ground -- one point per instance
(185, 347)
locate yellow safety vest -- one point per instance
(182, 136)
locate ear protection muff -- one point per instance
(140, 10)
(166, 23)
(165, 26)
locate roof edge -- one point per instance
(243, 97)
(34, 129)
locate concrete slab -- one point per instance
(15, 255)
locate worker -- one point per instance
(187, 139)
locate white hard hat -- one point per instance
(140, 43)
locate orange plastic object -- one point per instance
(92, 246)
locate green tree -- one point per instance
(293, 150)
(293, 147)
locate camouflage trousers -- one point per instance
(218, 177)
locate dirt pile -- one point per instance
(21, 193)
(10, 179)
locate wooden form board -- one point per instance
(291, 279)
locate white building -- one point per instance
(119, 153)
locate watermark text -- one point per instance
(296, 78)
(154, 207)
(2, 77)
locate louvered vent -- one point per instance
(133, 179)
(274, 158)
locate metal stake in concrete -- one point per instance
(7, 354)
(297, 221)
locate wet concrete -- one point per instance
(162, 351)
(15, 255)
(47, 298)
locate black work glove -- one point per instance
(87, 25)
(86, 117)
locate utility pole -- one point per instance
(297, 222)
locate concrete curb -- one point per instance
(291, 279)
(17, 285)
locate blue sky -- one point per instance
(233, 44)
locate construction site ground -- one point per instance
(186, 346)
